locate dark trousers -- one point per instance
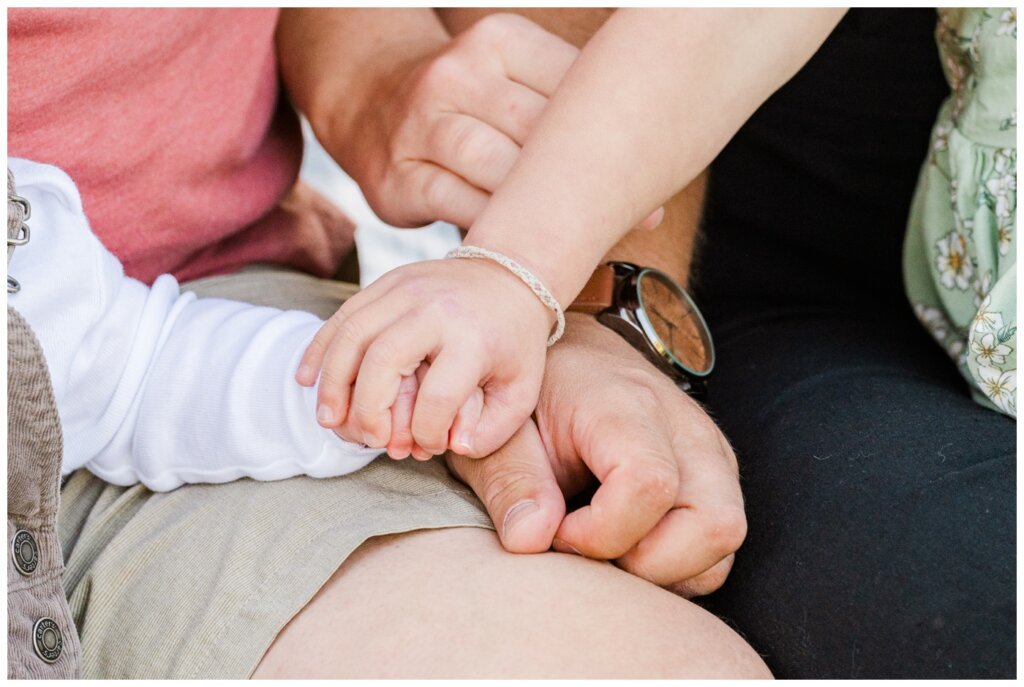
(880, 498)
(880, 501)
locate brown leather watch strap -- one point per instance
(597, 294)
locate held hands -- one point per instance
(668, 506)
(433, 355)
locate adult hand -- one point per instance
(437, 134)
(668, 507)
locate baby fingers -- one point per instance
(395, 353)
(452, 378)
(312, 359)
(350, 338)
(400, 445)
(464, 428)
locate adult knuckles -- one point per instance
(654, 480)
(494, 30)
(469, 143)
(725, 529)
(436, 192)
(443, 73)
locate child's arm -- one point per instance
(153, 385)
(652, 99)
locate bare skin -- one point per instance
(453, 604)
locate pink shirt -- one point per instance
(173, 126)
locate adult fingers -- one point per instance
(709, 523)
(707, 582)
(686, 543)
(442, 194)
(508, 106)
(449, 382)
(395, 353)
(632, 458)
(472, 149)
(529, 54)
(517, 486)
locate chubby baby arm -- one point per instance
(452, 349)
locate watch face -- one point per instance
(673, 323)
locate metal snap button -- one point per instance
(48, 641)
(25, 552)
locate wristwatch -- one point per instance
(656, 316)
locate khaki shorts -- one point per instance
(197, 582)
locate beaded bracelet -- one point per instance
(525, 275)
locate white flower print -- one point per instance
(1004, 234)
(974, 49)
(989, 351)
(981, 288)
(1003, 184)
(1000, 387)
(933, 320)
(954, 266)
(986, 320)
(1008, 23)
(1009, 122)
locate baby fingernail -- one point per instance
(515, 515)
(324, 414)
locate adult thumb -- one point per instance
(517, 486)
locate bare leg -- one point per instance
(452, 603)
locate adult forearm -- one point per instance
(612, 146)
(333, 59)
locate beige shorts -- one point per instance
(197, 582)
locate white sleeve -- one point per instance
(156, 386)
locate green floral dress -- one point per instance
(960, 252)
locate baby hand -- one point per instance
(475, 334)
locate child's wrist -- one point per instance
(527, 278)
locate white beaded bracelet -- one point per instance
(525, 275)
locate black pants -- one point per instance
(880, 498)
(880, 501)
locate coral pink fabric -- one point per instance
(172, 123)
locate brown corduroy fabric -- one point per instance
(34, 450)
